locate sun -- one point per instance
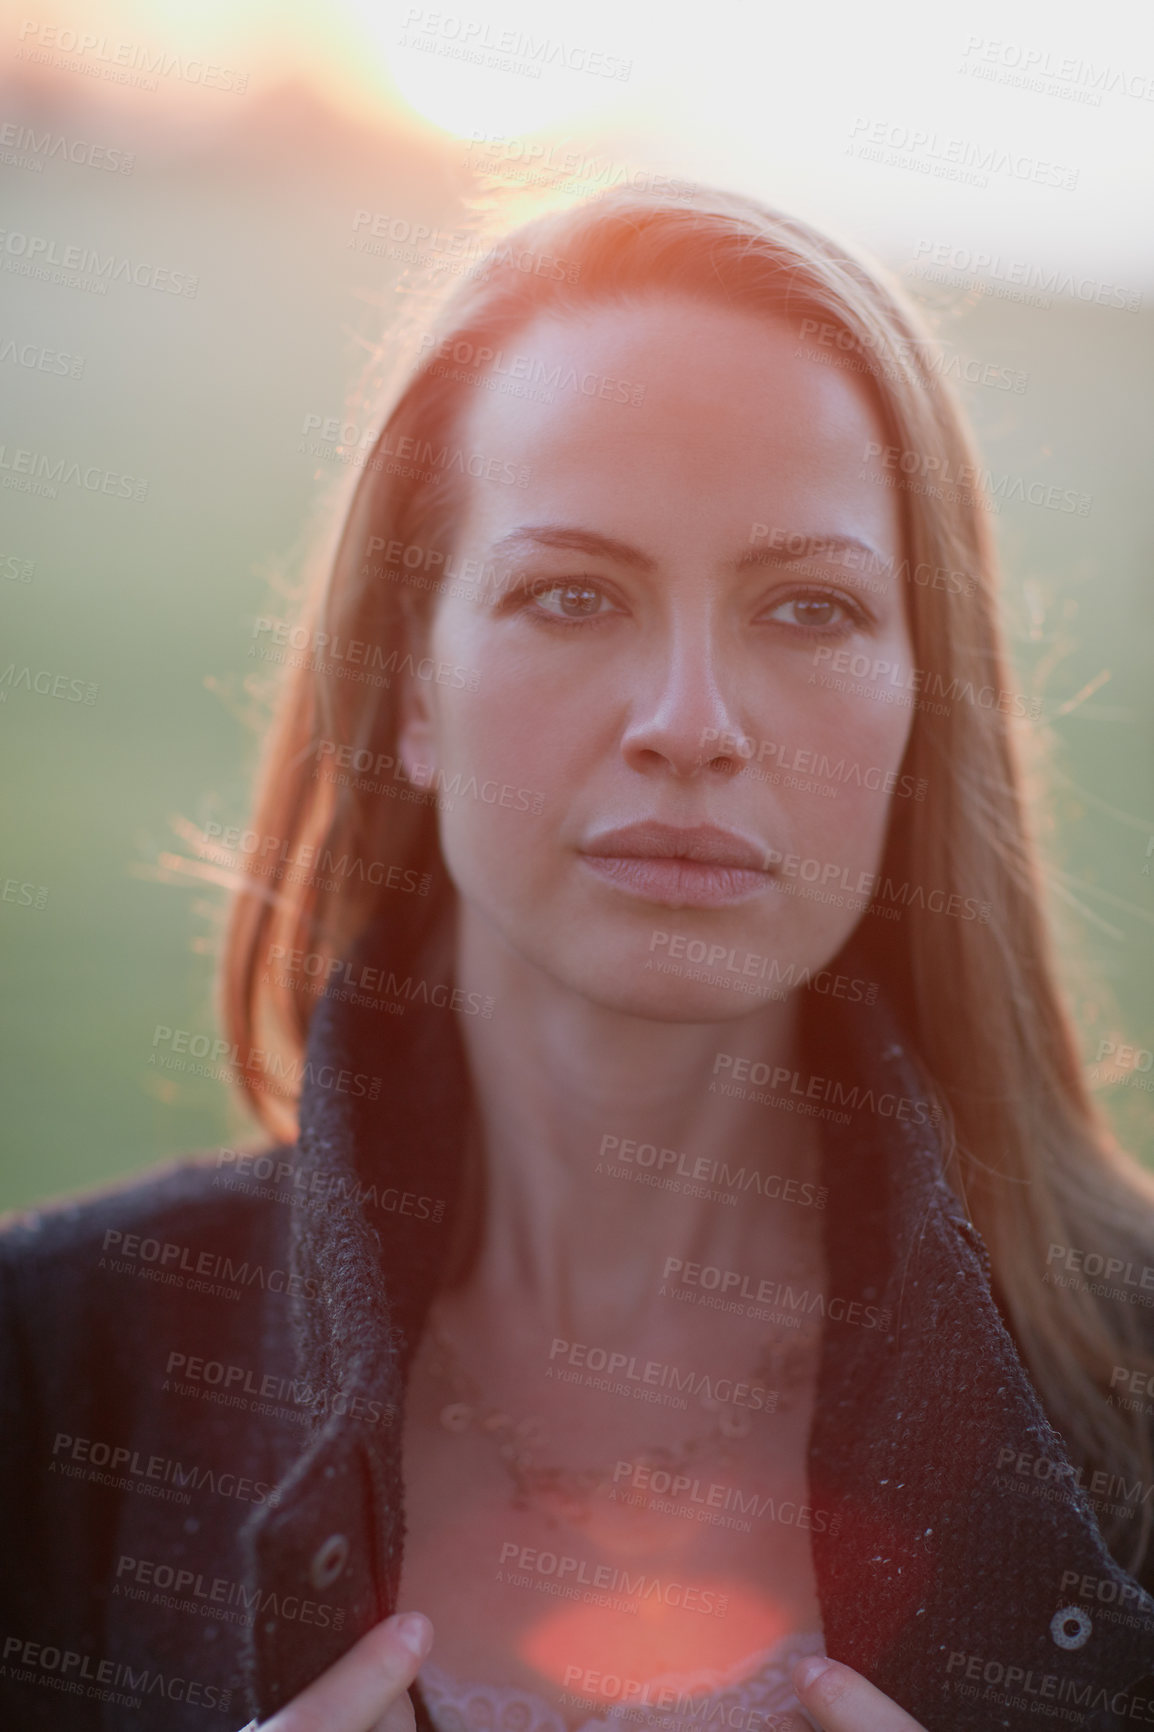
(465, 100)
(480, 76)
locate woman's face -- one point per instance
(661, 656)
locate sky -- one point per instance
(1002, 140)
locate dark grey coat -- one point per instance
(203, 1389)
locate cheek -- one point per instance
(507, 757)
(846, 831)
(527, 721)
(835, 755)
(505, 731)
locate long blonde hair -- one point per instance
(1029, 1153)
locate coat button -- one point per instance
(1071, 1627)
(329, 1561)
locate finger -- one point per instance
(398, 1717)
(364, 1684)
(841, 1700)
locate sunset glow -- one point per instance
(659, 1640)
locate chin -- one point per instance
(659, 995)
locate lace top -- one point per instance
(754, 1696)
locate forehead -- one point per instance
(696, 417)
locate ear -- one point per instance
(416, 722)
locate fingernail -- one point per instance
(415, 1631)
(809, 1670)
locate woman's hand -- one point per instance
(841, 1700)
(367, 1689)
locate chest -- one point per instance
(643, 1537)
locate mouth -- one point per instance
(692, 867)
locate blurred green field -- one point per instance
(154, 602)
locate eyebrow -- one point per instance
(574, 540)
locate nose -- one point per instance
(684, 715)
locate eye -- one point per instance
(567, 600)
(818, 613)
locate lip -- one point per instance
(698, 866)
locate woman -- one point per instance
(669, 1294)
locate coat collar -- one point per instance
(952, 1564)
(940, 1571)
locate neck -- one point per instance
(600, 1132)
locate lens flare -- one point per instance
(699, 1643)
